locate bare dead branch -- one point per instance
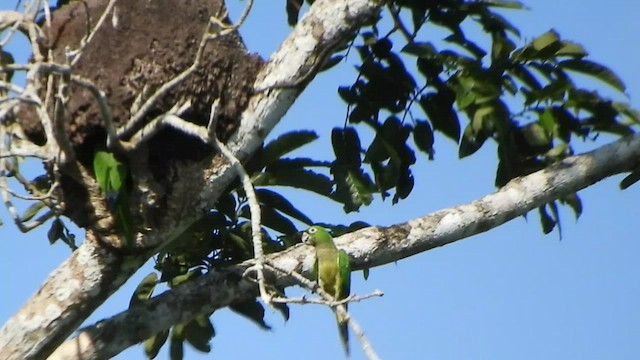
(105, 111)
(74, 56)
(254, 205)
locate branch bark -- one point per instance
(367, 248)
(83, 282)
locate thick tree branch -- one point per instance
(37, 329)
(70, 294)
(367, 248)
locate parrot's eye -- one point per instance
(312, 230)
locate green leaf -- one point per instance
(272, 219)
(293, 9)
(110, 173)
(41, 183)
(241, 244)
(595, 70)
(183, 278)
(288, 163)
(144, 290)
(438, 107)
(545, 40)
(420, 49)
(382, 48)
(558, 151)
(227, 205)
(280, 203)
(252, 310)
(630, 179)
(285, 144)
(507, 4)
(282, 307)
(339, 230)
(348, 94)
(32, 211)
(523, 74)
(331, 62)
(471, 141)
(346, 146)
(365, 273)
(404, 185)
(573, 200)
(571, 49)
(383, 145)
(543, 47)
(153, 344)
(198, 332)
(556, 216)
(496, 23)
(296, 178)
(354, 188)
(430, 68)
(423, 137)
(459, 39)
(176, 344)
(56, 231)
(546, 221)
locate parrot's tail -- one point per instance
(343, 329)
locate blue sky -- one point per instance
(509, 293)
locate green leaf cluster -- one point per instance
(527, 99)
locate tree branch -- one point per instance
(368, 247)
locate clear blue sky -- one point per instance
(511, 293)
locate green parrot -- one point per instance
(332, 271)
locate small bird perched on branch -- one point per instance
(332, 271)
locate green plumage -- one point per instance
(332, 271)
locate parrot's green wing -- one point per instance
(315, 269)
(345, 274)
(344, 279)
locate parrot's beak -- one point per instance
(306, 238)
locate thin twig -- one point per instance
(7, 17)
(43, 198)
(59, 120)
(305, 300)
(76, 54)
(171, 118)
(398, 24)
(336, 305)
(254, 206)
(6, 196)
(105, 111)
(36, 193)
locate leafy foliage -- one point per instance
(59, 231)
(524, 98)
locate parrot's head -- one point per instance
(310, 235)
